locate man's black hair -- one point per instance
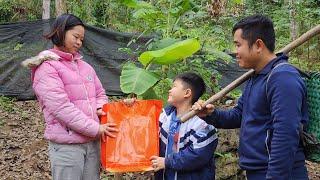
(257, 27)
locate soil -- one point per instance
(23, 150)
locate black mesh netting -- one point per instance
(19, 41)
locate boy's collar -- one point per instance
(169, 109)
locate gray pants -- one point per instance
(75, 161)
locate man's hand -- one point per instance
(158, 163)
(202, 111)
(107, 130)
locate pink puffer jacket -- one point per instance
(69, 93)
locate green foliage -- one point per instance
(235, 94)
(169, 21)
(139, 81)
(18, 47)
(136, 80)
(173, 20)
(225, 155)
(161, 90)
(20, 10)
(6, 103)
(163, 43)
(171, 54)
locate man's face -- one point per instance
(246, 56)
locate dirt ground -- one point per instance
(23, 151)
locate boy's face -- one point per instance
(246, 57)
(178, 93)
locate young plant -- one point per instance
(140, 81)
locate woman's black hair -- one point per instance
(60, 26)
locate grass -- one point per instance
(7, 103)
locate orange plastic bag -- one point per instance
(137, 139)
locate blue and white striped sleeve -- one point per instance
(196, 152)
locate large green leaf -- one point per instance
(149, 94)
(136, 80)
(163, 43)
(171, 54)
(136, 4)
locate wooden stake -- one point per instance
(117, 176)
(45, 9)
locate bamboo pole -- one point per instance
(303, 38)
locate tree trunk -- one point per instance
(60, 7)
(45, 9)
(293, 23)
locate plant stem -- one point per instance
(168, 20)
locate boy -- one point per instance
(186, 149)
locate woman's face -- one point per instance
(73, 39)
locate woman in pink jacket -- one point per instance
(71, 96)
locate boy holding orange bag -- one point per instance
(186, 149)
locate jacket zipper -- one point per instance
(178, 148)
(165, 154)
(266, 143)
(85, 89)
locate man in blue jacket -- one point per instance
(270, 111)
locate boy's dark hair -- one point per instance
(60, 26)
(194, 82)
(257, 27)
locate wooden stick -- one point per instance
(303, 38)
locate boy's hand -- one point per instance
(157, 163)
(130, 101)
(202, 111)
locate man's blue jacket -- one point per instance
(269, 121)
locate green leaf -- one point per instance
(163, 43)
(150, 94)
(238, 2)
(171, 54)
(130, 3)
(136, 80)
(137, 4)
(218, 54)
(187, 5)
(18, 47)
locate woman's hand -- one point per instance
(100, 112)
(202, 111)
(158, 163)
(107, 129)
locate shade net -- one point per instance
(22, 40)
(19, 41)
